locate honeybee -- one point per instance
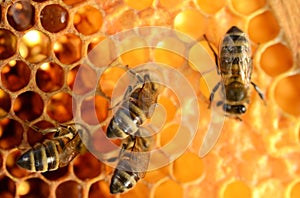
(132, 165)
(135, 108)
(235, 67)
(54, 153)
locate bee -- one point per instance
(132, 165)
(54, 153)
(135, 108)
(235, 67)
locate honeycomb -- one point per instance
(43, 44)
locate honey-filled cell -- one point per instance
(8, 44)
(276, 59)
(88, 20)
(248, 6)
(7, 187)
(211, 7)
(34, 187)
(59, 107)
(294, 191)
(236, 189)
(100, 189)
(168, 188)
(50, 77)
(87, 166)
(73, 2)
(5, 103)
(139, 5)
(11, 133)
(67, 48)
(15, 75)
(69, 189)
(54, 18)
(21, 15)
(35, 46)
(28, 106)
(287, 94)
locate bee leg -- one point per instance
(215, 54)
(260, 93)
(212, 95)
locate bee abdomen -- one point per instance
(41, 158)
(122, 181)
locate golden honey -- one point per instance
(44, 43)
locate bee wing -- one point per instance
(70, 151)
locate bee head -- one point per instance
(234, 109)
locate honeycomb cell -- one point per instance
(34, 187)
(7, 187)
(82, 79)
(35, 46)
(92, 105)
(169, 51)
(168, 133)
(20, 15)
(248, 6)
(57, 174)
(69, 189)
(54, 18)
(139, 5)
(11, 133)
(170, 106)
(168, 188)
(88, 20)
(295, 191)
(100, 189)
(102, 51)
(67, 48)
(5, 103)
(169, 4)
(140, 190)
(190, 22)
(87, 166)
(276, 59)
(59, 107)
(73, 2)
(236, 189)
(34, 136)
(12, 167)
(50, 77)
(15, 75)
(211, 7)
(286, 94)
(28, 106)
(8, 44)
(134, 47)
(189, 173)
(263, 27)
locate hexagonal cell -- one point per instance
(168, 188)
(57, 174)
(294, 190)
(21, 15)
(50, 77)
(33, 187)
(88, 20)
(5, 103)
(8, 44)
(286, 94)
(7, 187)
(82, 79)
(34, 136)
(263, 27)
(69, 189)
(12, 167)
(94, 110)
(185, 22)
(67, 48)
(249, 6)
(276, 59)
(140, 5)
(189, 173)
(11, 133)
(59, 107)
(170, 4)
(100, 189)
(28, 106)
(236, 189)
(35, 46)
(15, 75)
(87, 166)
(54, 18)
(211, 7)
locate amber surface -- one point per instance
(52, 60)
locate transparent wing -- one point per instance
(70, 151)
